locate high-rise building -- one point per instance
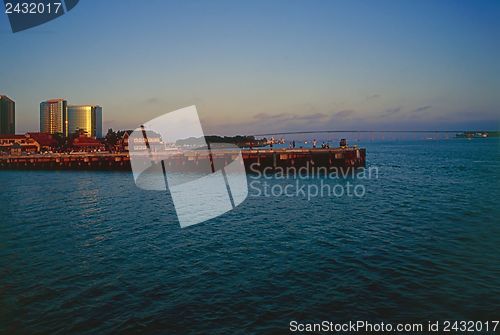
(85, 118)
(7, 116)
(53, 116)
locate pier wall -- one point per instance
(257, 159)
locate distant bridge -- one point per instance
(364, 131)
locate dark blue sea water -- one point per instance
(89, 252)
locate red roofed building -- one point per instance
(46, 141)
(23, 143)
(84, 143)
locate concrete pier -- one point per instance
(312, 158)
(255, 158)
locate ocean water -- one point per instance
(89, 252)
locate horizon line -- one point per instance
(369, 131)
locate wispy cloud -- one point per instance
(343, 114)
(289, 117)
(308, 117)
(421, 109)
(373, 96)
(152, 100)
(391, 111)
(266, 116)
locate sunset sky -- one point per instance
(262, 66)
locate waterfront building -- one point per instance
(7, 116)
(16, 149)
(46, 141)
(18, 143)
(53, 117)
(122, 144)
(84, 143)
(86, 119)
(139, 144)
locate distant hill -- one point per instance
(239, 140)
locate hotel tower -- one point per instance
(56, 116)
(7, 116)
(53, 116)
(86, 118)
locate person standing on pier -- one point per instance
(314, 143)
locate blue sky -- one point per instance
(263, 66)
